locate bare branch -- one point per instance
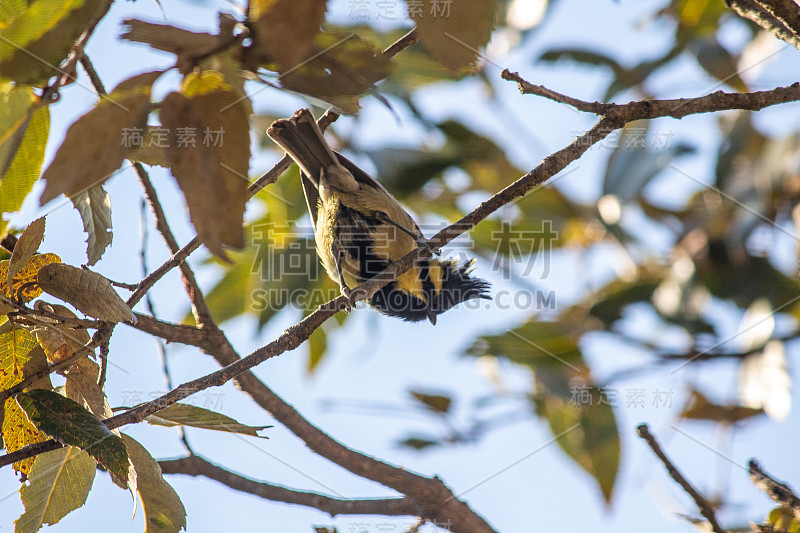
(779, 17)
(778, 491)
(197, 466)
(674, 108)
(702, 504)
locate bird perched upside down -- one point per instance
(360, 229)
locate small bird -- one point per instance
(360, 229)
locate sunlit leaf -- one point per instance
(60, 481)
(25, 130)
(23, 285)
(180, 414)
(88, 291)
(20, 358)
(38, 38)
(765, 382)
(26, 246)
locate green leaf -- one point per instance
(438, 403)
(617, 295)
(94, 206)
(418, 443)
(181, 414)
(39, 38)
(69, 423)
(317, 344)
(586, 430)
(25, 128)
(60, 481)
(163, 509)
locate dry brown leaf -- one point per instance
(23, 284)
(26, 246)
(30, 56)
(284, 30)
(342, 69)
(20, 357)
(185, 44)
(701, 408)
(88, 291)
(453, 32)
(213, 174)
(95, 145)
(81, 386)
(58, 340)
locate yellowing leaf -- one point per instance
(212, 171)
(183, 43)
(25, 127)
(453, 32)
(284, 30)
(39, 38)
(20, 357)
(163, 509)
(95, 145)
(94, 206)
(26, 246)
(20, 286)
(88, 291)
(60, 481)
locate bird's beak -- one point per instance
(432, 316)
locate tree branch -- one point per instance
(674, 108)
(197, 466)
(779, 492)
(702, 504)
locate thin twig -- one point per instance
(702, 504)
(401, 44)
(780, 492)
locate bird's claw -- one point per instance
(348, 294)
